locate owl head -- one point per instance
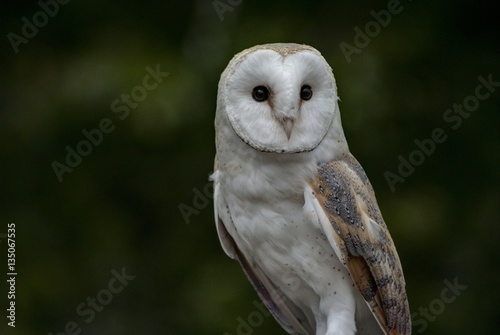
(279, 98)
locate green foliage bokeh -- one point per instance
(119, 207)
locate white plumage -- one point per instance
(294, 206)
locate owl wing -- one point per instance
(344, 203)
(289, 316)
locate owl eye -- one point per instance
(260, 93)
(306, 92)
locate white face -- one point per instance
(280, 103)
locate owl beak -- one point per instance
(287, 126)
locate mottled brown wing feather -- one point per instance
(346, 195)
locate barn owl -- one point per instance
(292, 204)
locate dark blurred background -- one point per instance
(135, 206)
